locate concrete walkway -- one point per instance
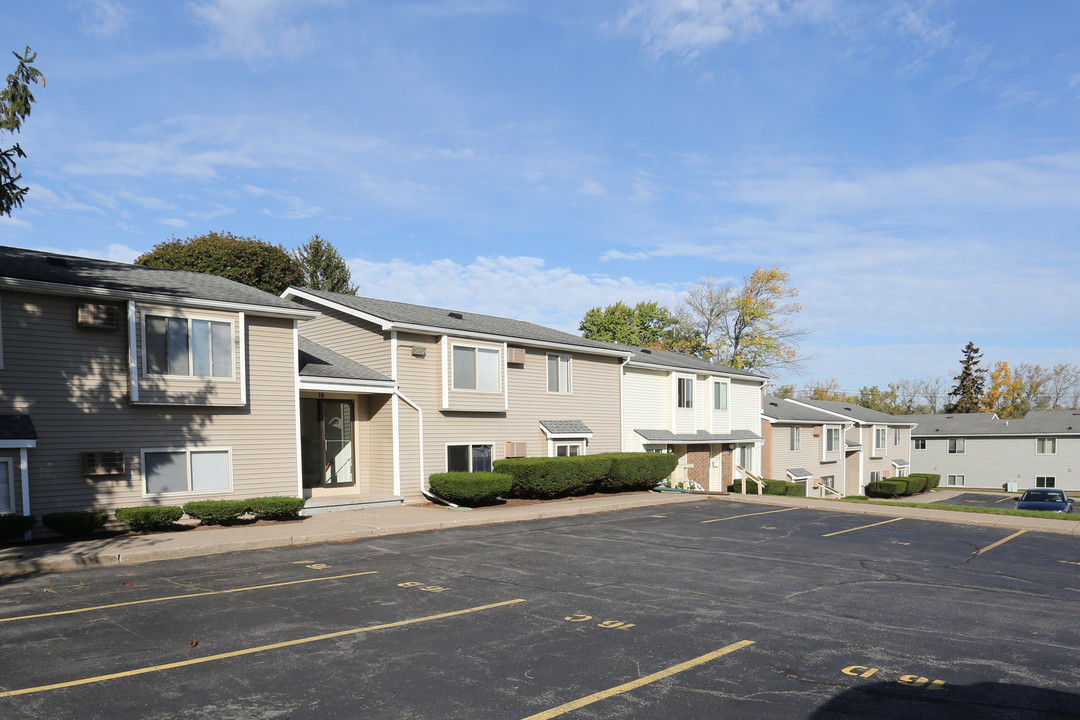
(372, 522)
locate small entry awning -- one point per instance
(565, 429)
(698, 438)
(799, 474)
(901, 463)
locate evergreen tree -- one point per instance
(968, 392)
(323, 266)
(15, 101)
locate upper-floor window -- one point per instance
(686, 392)
(476, 368)
(720, 391)
(879, 438)
(956, 446)
(558, 373)
(896, 437)
(920, 443)
(795, 440)
(1045, 446)
(188, 346)
(832, 439)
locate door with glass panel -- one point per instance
(326, 432)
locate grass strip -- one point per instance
(966, 508)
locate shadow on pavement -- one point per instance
(985, 701)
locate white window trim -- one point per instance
(875, 475)
(963, 479)
(553, 446)
(470, 445)
(915, 443)
(500, 363)
(569, 373)
(1044, 478)
(963, 446)
(1045, 440)
(689, 396)
(884, 431)
(236, 355)
(187, 450)
(897, 436)
(794, 438)
(10, 500)
(825, 440)
(717, 385)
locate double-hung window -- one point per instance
(1045, 446)
(720, 391)
(875, 475)
(686, 393)
(468, 458)
(832, 439)
(167, 471)
(476, 368)
(558, 373)
(954, 479)
(1045, 481)
(920, 443)
(795, 438)
(956, 446)
(896, 437)
(746, 457)
(188, 346)
(880, 435)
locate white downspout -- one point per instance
(420, 420)
(24, 472)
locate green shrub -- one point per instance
(636, 471)
(546, 478)
(74, 524)
(887, 488)
(915, 484)
(15, 525)
(932, 480)
(772, 487)
(276, 507)
(215, 512)
(149, 517)
(471, 489)
(795, 489)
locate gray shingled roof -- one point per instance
(566, 427)
(1039, 422)
(666, 358)
(785, 410)
(857, 412)
(852, 445)
(800, 473)
(697, 437)
(17, 427)
(408, 314)
(900, 463)
(317, 361)
(20, 264)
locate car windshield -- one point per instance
(1042, 496)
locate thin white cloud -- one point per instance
(290, 207)
(104, 18)
(173, 222)
(591, 187)
(620, 255)
(7, 221)
(256, 30)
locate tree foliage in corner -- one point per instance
(968, 392)
(246, 260)
(15, 102)
(323, 267)
(647, 324)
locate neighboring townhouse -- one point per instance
(708, 415)
(806, 445)
(124, 385)
(981, 450)
(403, 391)
(876, 444)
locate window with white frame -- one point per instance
(720, 391)
(686, 393)
(657, 449)
(476, 368)
(901, 472)
(1045, 481)
(469, 458)
(875, 475)
(829, 481)
(746, 457)
(832, 439)
(920, 443)
(569, 449)
(795, 438)
(956, 446)
(880, 435)
(7, 486)
(168, 471)
(190, 347)
(1045, 446)
(558, 372)
(954, 479)
(896, 437)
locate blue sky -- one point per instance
(914, 165)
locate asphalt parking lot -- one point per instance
(697, 610)
(984, 499)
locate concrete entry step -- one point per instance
(354, 501)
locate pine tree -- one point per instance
(15, 101)
(324, 268)
(968, 392)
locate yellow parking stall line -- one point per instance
(185, 597)
(736, 517)
(862, 527)
(1002, 541)
(625, 687)
(253, 650)
(1004, 499)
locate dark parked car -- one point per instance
(1045, 499)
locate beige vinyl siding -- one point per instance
(835, 455)
(347, 335)
(74, 384)
(647, 404)
(745, 403)
(808, 456)
(685, 418)
(174, 390)
(594, 401)
(847, 476)
(719, 420)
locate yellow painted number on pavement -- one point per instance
(910, 680)
(422, 586)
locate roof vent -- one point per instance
(456, 315)
(646, 350)
(948, 417)
(53, 260)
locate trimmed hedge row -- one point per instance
(15, 525)
(149, 517)
(74, 524)
(903, 486)
(772, 487)
(547, 478)
(471, 489)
